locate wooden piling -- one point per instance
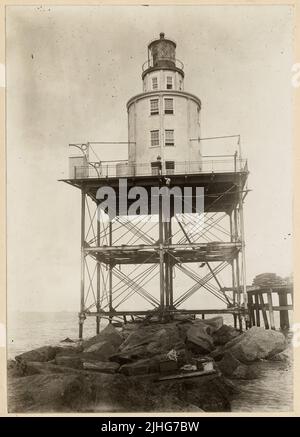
(263, 310)
(257, 309)
(251, 309)
(284, 314)
(271, 311)
(256, 303)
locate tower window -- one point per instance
(154, 107)
(155, 168)
(169, 137)
(154, 83)
(169, 106)
(170, 167)
(154, 138)
(169, 82)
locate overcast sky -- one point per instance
(70, 72)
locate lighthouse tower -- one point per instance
(163, 120)
(166, 266)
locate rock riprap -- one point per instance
(119, 369)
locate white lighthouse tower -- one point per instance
(163, 120)
(163, 139)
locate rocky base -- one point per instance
(119, 370)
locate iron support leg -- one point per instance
(82, 279)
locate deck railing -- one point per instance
(107, 169)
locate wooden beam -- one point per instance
(263, 310)
(257, 308)
(271, 311)
(284, 315)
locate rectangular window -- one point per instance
(154, 107)
(169, 107)
(154, 138)
(155, 168)
(154, 83)
(169, 137)
(169, 82)
(170, 167)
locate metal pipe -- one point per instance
(215, 138)
(110, 272)
(98, 278)
(167, 264)
(241, 214)
(161, 256)
(237, 271)
(233, 271)
(170, 267)
(112, 142)
(82, 279)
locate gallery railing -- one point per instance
(227, 164)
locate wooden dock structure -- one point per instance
(262, 306)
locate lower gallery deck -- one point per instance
(221, 190)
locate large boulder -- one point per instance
(100, 351)
(109, 334)
(140, 367)
(244, 372)
(183, 328)
(281, 357)
(46, 393)
(257, 343)
(116, 393)
(128, 328)
(198, 338)
(101, 366)
(225, 334)
(228, 364)
(233, 368)
(72, 361)
(218, 353)
(215, 323)
(68, 352)
(29, 368)
(42, 354)
(148, 341)
(14, 369)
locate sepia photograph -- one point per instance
(149, 187)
